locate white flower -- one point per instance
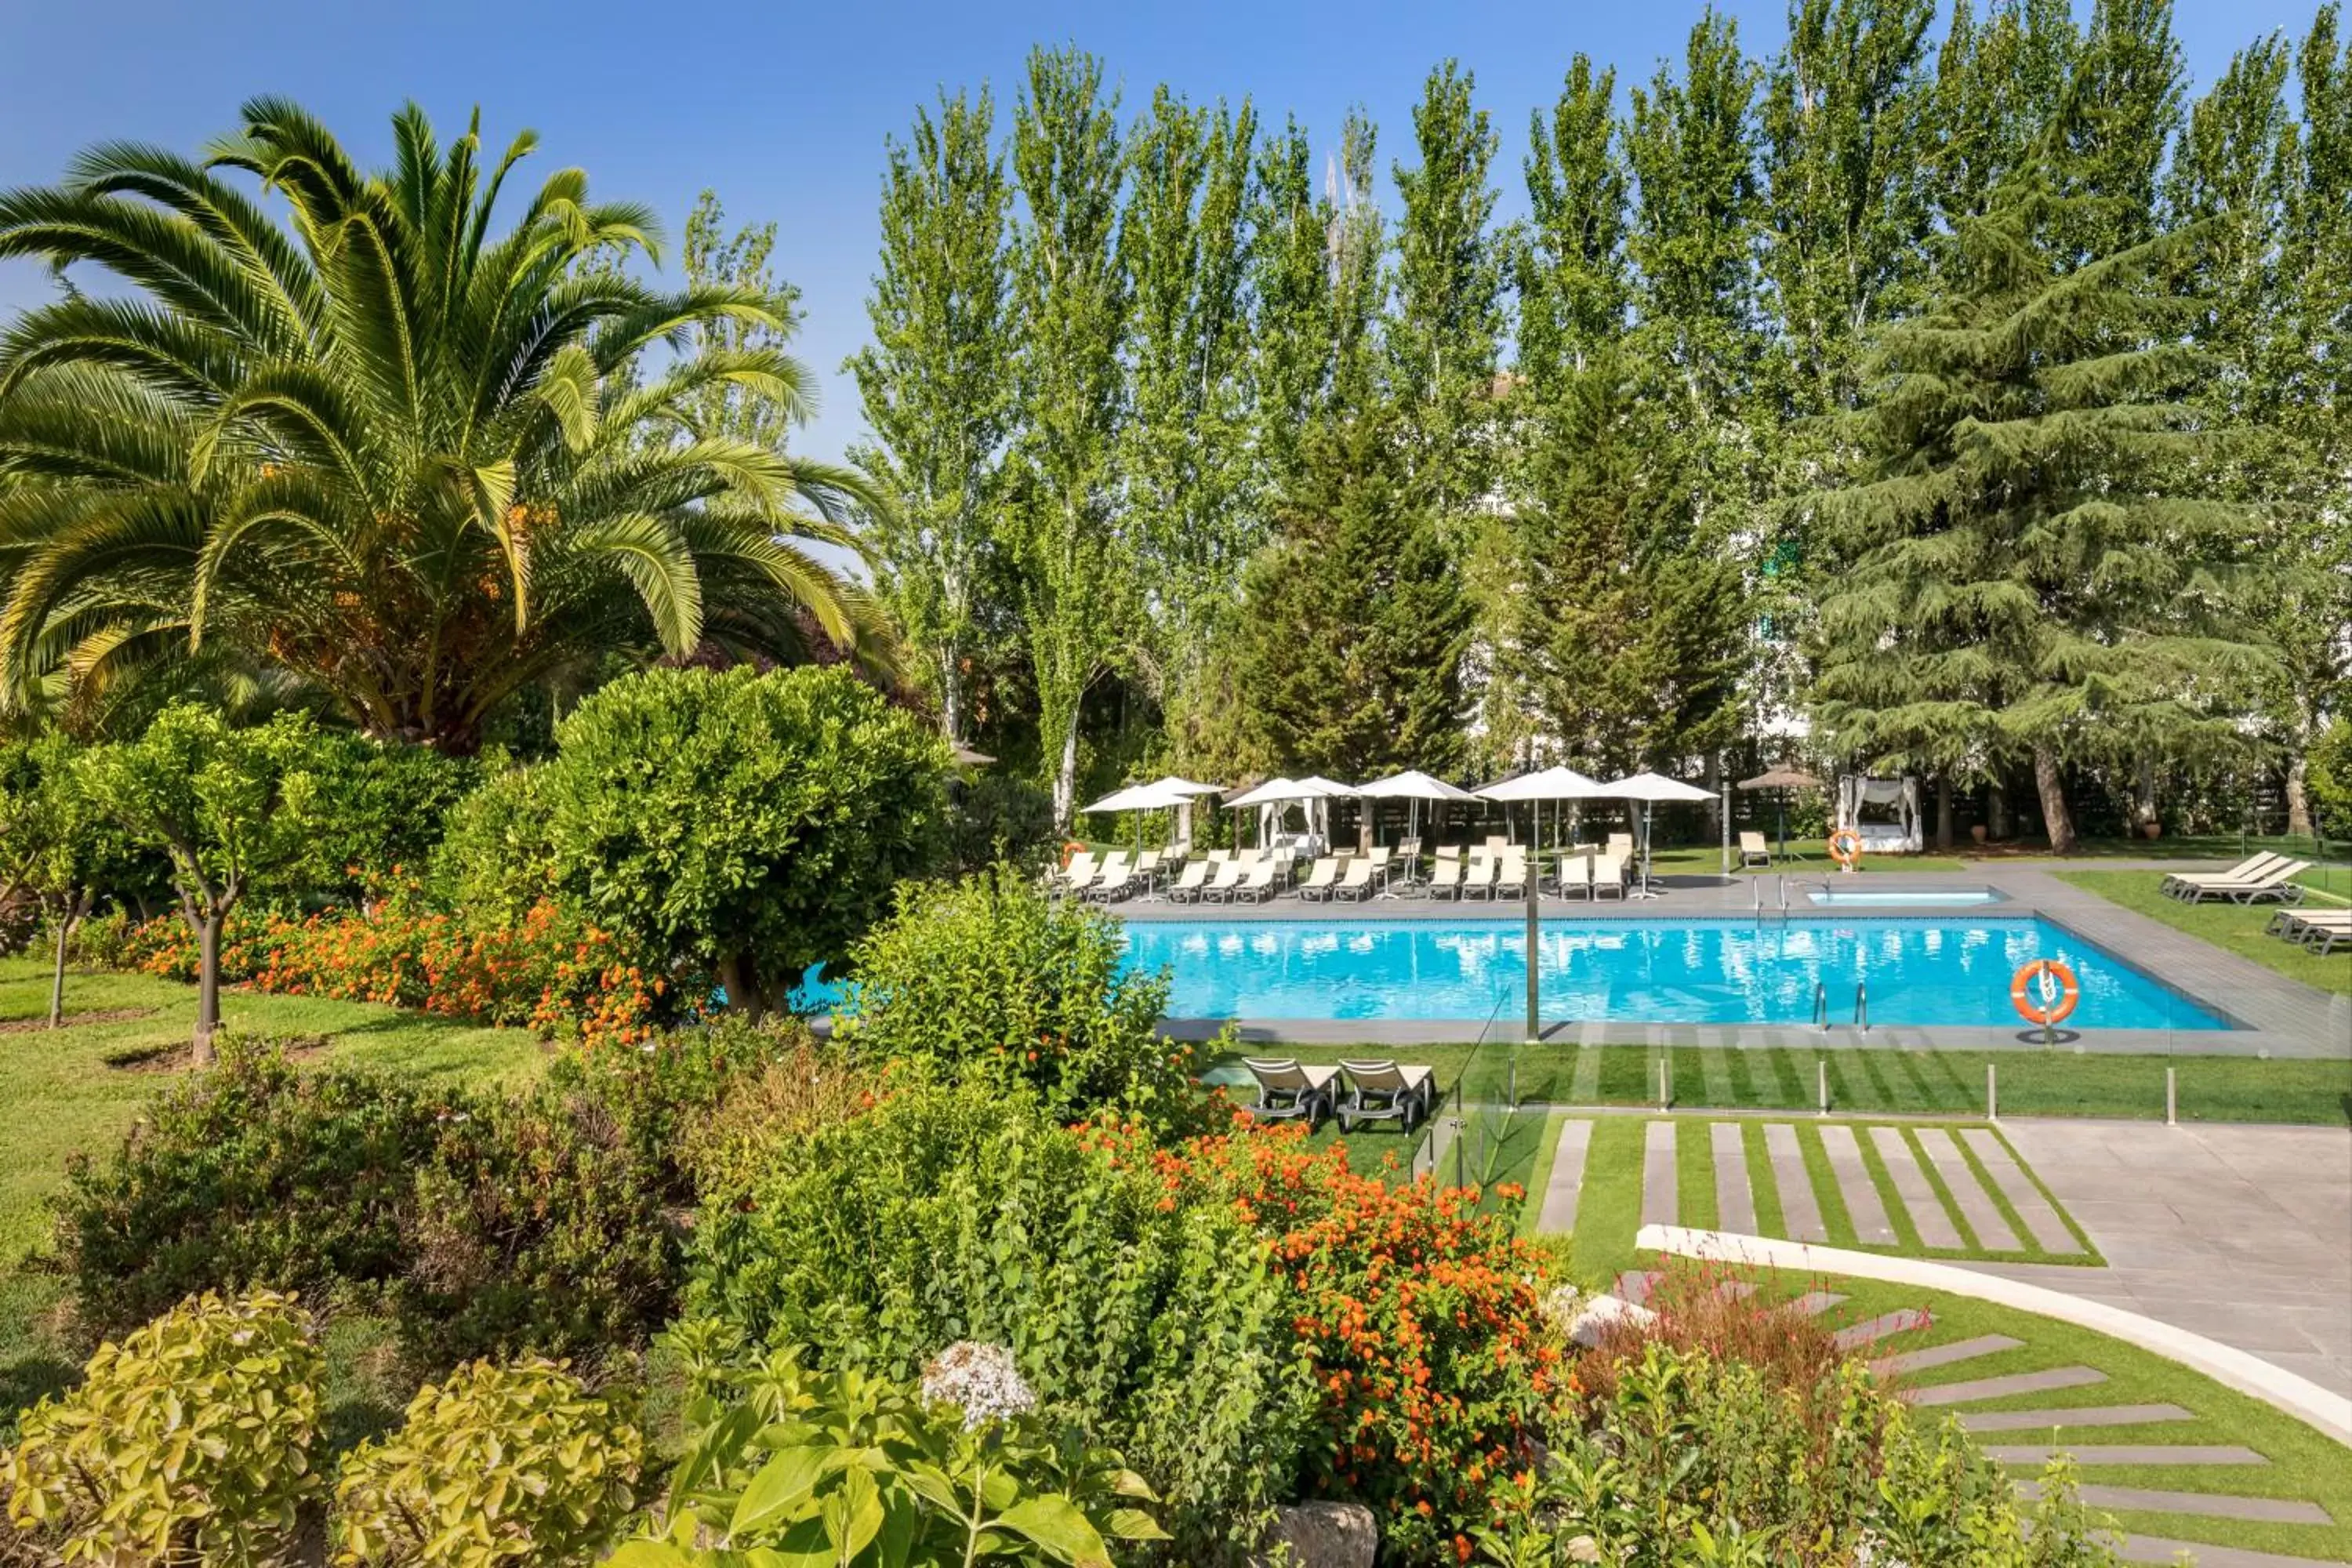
(981, 1379)
(1560, 1306)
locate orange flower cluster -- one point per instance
(1418, 1312)
(548, 972)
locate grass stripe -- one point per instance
(1943, 1193)
(1695, 1201)
(1770, 1218)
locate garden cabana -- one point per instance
(1312, 794)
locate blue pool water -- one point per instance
(1930, 971)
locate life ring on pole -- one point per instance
(1070, 849)
(1845, 848)
(2044, 991)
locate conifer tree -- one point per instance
(1349, 657)
(2034, 566)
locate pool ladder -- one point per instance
(1822, 1006)
(1781, 885)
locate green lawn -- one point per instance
(80, 1088)
(1875, 1080)
(2235, 928)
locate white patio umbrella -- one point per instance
(1140, 798)
(1552, 784)
(1649, 789)
(1415, 786)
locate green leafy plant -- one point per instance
(189, 1441)
(255, 1173)
(988, 980)
(845, 1468)
(497, 1464)
(754, 823)
(1157, 1328)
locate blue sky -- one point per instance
(783, 108)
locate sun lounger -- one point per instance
(1112, 881)
(1576, 876)
(1385, 1091)
(1190, 886)
(1257, 884)
(1753, 850)
(1608, 876)
(1320, 879)
(2322, 930)
(1287, 1089)
(1446, 877)
(1227, 879)
(1357, 883)
(1079, 874)
(1511, 876)
(2177, 882)
(1478, 878)
(1408, 862)
(1621, 845)
(2277, 883)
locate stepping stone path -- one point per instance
(1659, 1201)
(1977, 1207)
(2071, 1416)
(1983, 1388)
(1910, 1319)
(2138, 1499)
(1558, 1211)
(2049, 1232)
(1800, 1212)
(1911, 1184)
(1735, 1206)
(1814, 1303)
(2039, 1454)
(2151, 1549)
(1943, 1355)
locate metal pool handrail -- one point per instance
(1822, 1006)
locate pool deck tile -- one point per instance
(2049, 1232)
(1863, 1206)
(1735, 1206)
(1801, 1213)
(1659, 1201)
(1977, 1206)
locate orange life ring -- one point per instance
(2029, 992)
(1069, 849)
(1845, 848)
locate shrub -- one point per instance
(494, 862)
(1697, 1452)
(1690, 1310)
(2329, 779)
(375, 812)
(499, 1464)
(1418, 1312)
(534, 1229)
(188, 1441)
(998, 817)
(840, 1468)
(988, 979)
(254, 1173)
(942, 1214)
(756, 823)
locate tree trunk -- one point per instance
(57, 974)
(2144, 793)
(742, 992)
(1065, 777)
(2298, 799)
(208, 941)
(1944, 811)
(1996, 812)
(2052, 786)
(950, 698)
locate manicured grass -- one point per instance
(2304, 1462)
(78, 1088)
(1707, 859)
(1878, 1079)
(2234, 927)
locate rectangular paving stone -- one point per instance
(2213, 1505)
(1801, 1213)
(1871, 1226)
(2153, 1549)
(1814, 1303)
(2128, 1454)
(1558, 1211)
(1735, 1206)
(1911, 1184)
(1635, 1285)
(1659, 1204)
(1734, 1290)
(2049, 1231)
(1975, 1421)
(1853, 1336)
(1985, 1388)
(1976, 1205)
(1943, 1355)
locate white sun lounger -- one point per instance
(1608, 876)
(1320, 879)
(2177, 882)
(1357, 884)
(2276, 882)
(1188, 885)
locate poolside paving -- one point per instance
(2049, 1231)
(1977, 1208)
(1735, 1204)
(1928, 1218)
(2241, 1234)
(1659, 1201)
(1863, 1204)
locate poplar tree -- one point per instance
(1183, 458)
(1441, 340)
(937, 386)
(2000, 82)
(2033, 567)
(1075, 559)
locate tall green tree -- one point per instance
(2035, 566)
(715, 258)
(1351, 651)
(2000, 81)
(2122, 111)
(397, 452)
(1075, 557)
(938, 388)
(1184, 460)
(1568, 265)
(1442, 335)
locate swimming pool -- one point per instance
(1903, 898)
(1923, 971)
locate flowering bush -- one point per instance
(547, 971)
(1418, 1312)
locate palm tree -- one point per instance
(416, 463)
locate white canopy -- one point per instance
(1653, 789)
(1412, 784)
(1280, 791)
(1186, 786)
(1155, 796)
(1546, 784)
